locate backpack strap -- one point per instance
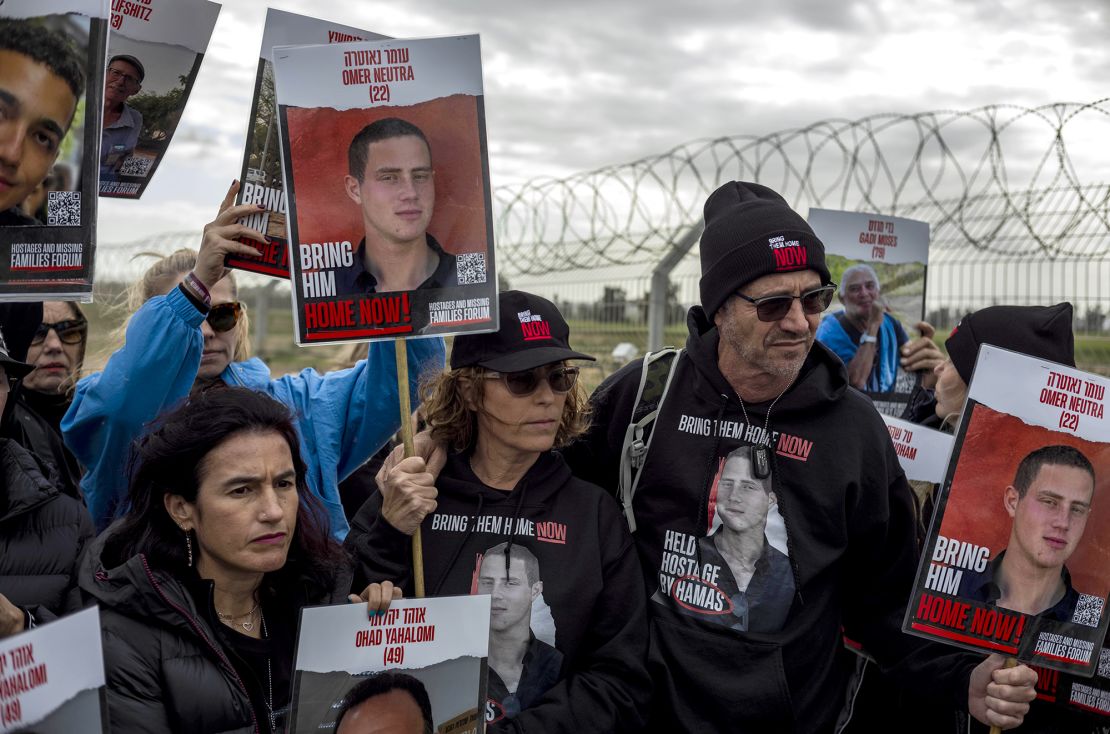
(655, 379)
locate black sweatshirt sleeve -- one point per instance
(883, 564)
(596, 457)
(381, 552)
(607, 686)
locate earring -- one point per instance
(188, 546)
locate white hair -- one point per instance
(861, 268)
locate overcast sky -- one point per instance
(575, 85)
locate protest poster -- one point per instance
(154, 54)
(922, 452)
(880, 263)
(52, 78)
(387, 181)
(439, 646)
(1017, 559)
(261, 179)
(44, 687)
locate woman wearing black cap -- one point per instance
(505, 517)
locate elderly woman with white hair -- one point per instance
(872, 344)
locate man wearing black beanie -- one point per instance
(751, 376)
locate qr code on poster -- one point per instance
(471, 268)
(63, 208)
(1104, 663)
(1088, 611)
(136, 165)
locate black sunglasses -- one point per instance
(224, 316)
(70, 331)
(525, 382)
(775, 308)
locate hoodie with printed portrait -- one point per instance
(837, 514)
(555, 553)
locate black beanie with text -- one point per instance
(750, 231)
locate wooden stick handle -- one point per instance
(1010, 663)
(402, 354)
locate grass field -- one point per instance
(591, 337)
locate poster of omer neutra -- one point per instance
(387, 185)
(1017, 559)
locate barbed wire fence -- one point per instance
(1017, 199)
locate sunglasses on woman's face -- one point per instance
(525, 382)
(775, 308)
(70, 331)
(224, 316)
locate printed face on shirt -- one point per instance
(56, 362)
(860, 291)
(392, 712)
(121, 82)
(1050, 519)
(511, 592)
(397, 192)
(245, 510)
(775, 348)
(36, 109)
(742, 500)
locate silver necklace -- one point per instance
(761, 454)
(230, 618)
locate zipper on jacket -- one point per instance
(200, 633)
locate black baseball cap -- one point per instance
(131, 60)
(531, 333)
(13, 367)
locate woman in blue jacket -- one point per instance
(189, 333)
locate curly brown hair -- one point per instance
(448, 395)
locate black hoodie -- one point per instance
(848, 519)
(588, 675)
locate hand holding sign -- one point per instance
(377, 597)
(12, 618)
(219, 240)
(922, 354)
(998, 696)
(408, 494)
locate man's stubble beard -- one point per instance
(758, 356)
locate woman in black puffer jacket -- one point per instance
(42, 529)
(201, 584)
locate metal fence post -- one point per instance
(661, 279)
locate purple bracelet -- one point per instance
(200, 292)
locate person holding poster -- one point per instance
(504, 516)
(201, 583)
(41, 79)
(189, 332)
(122, 122)
(1039, 331)
(870, 341)
(751, 377)
(392, 181)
